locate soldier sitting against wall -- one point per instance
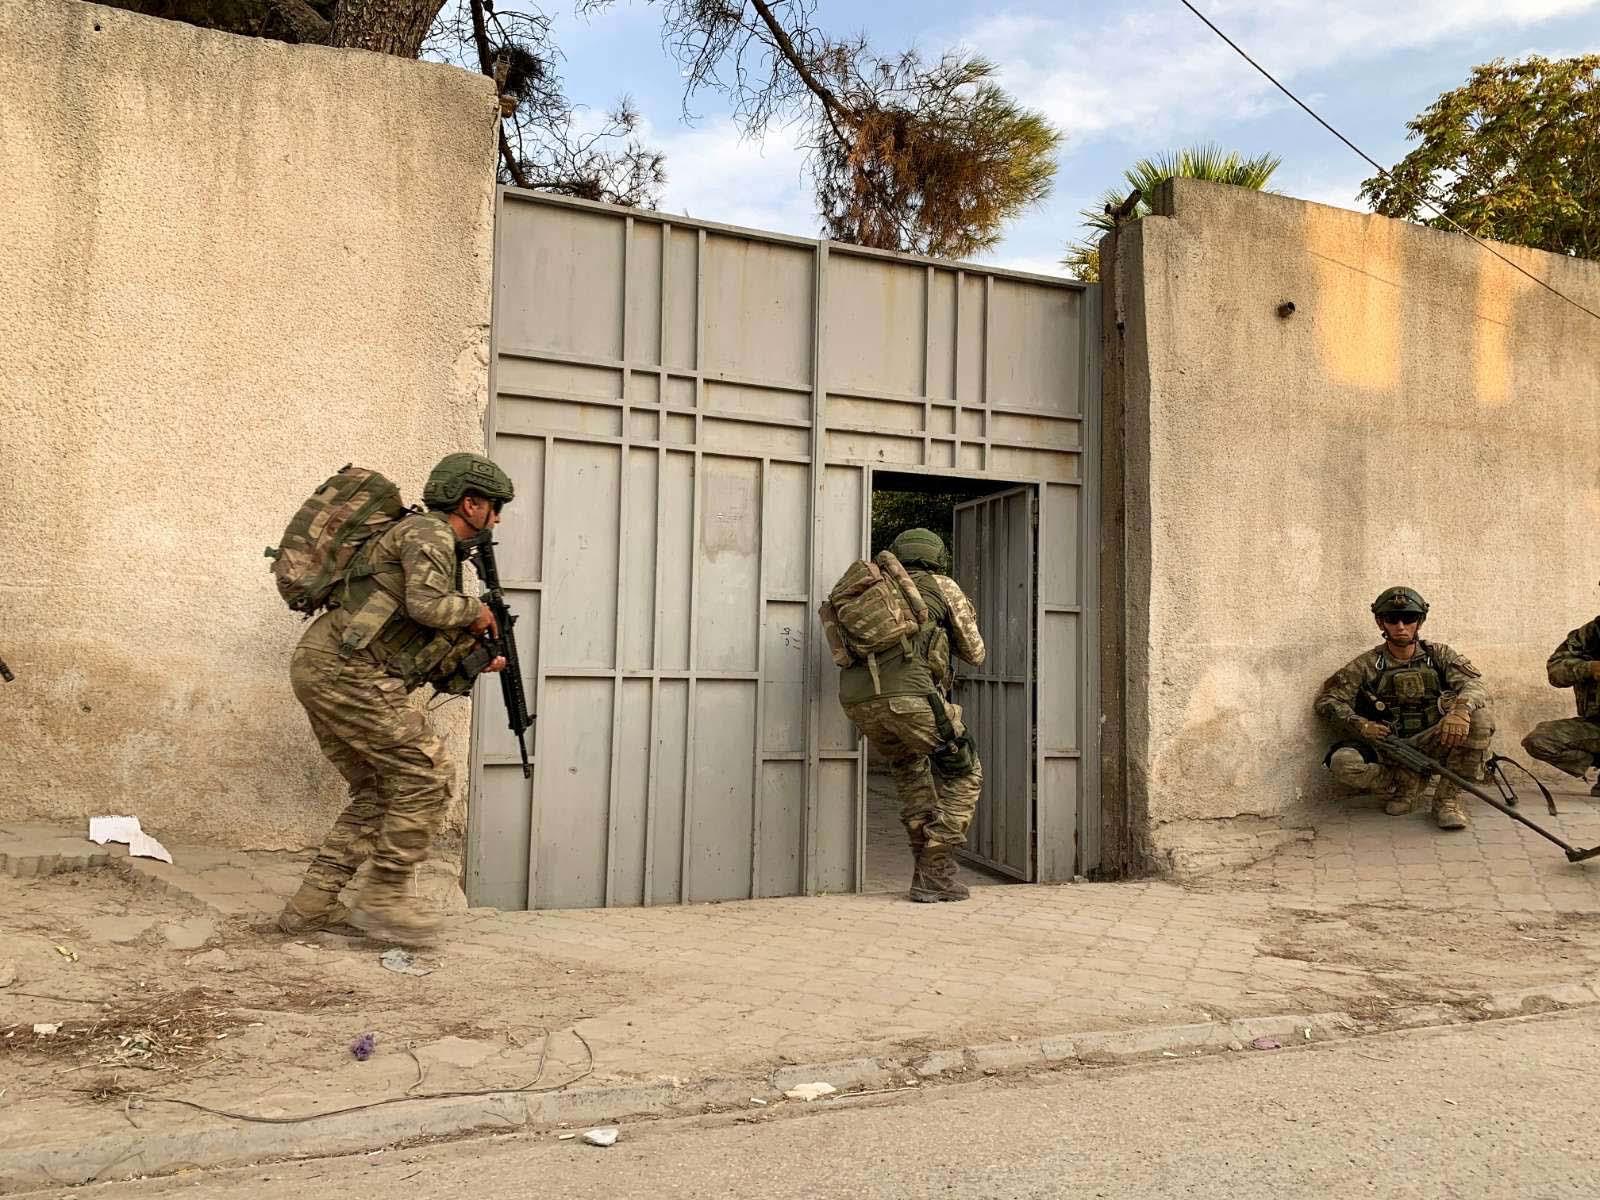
(1421, 691)
(1573, 744)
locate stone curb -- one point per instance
(231, 1144)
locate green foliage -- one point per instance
(894, 512)
(1209, 162)
(928, 158)
(1513, 154)
(1082, 261)
(906, 153)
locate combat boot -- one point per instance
(386, 911)
(311, 909)
(1595, 790)
(1404, 797)
(935, 879)
(919, 850)
(1448, 813)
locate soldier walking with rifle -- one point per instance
(397, 618)
(1423, 693)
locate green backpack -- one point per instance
(322, 539)
(873, 608)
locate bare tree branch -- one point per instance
(308, 24)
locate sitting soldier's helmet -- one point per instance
(1399, 599)
(921, 546)
(457, 474)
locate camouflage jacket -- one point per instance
(1347, 694)
(952, 626)
(1568, 666)
(410, 590)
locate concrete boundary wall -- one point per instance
(227, 267)
(1425, 416)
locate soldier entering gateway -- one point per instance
(1423, 692)
(892, 624)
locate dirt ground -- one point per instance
(236, 1005)
(148, 1001)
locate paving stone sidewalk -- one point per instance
(1374, 912)
(1359, 854)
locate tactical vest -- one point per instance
(1406, 695)
(373, 595)
(924, 671)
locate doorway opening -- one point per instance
(989, 528)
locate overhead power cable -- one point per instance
(1417, 194)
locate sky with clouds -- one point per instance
(1121, 80)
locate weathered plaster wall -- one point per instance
(1427, 416)
(227, 267)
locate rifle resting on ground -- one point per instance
(1404, 754)
(505, 645)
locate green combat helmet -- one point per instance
(458, 474)
(922, 547)
(1399, 599)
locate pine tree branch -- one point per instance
(791, 53)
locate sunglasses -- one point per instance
(1407, 618)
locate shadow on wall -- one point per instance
(1426, 415)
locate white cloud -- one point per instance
(1153, 68)
(715, 175)
(1032, 263)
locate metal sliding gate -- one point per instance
(692, 415)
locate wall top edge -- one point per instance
(678, 221)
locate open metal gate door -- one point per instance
(693, 415)
(993, 563)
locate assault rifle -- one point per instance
(505, 645)
(1404, 754)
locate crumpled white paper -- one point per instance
(126, 830)
(811, 1091)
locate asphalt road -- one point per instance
(1504, 1108)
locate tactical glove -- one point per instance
(1454, 728)
(1371, 730)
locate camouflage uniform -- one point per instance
(909, 720)
(1572, 744)
(1366, 689)
(352, 672)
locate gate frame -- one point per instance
(1088, 833)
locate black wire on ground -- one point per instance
(1430, 201)
(527, 1088)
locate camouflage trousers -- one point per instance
(938, 784)
(1466, 760)
(400, 778)
(1573, 745)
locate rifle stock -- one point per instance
(504, 645)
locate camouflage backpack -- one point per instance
(324, 536)
(874, 607)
